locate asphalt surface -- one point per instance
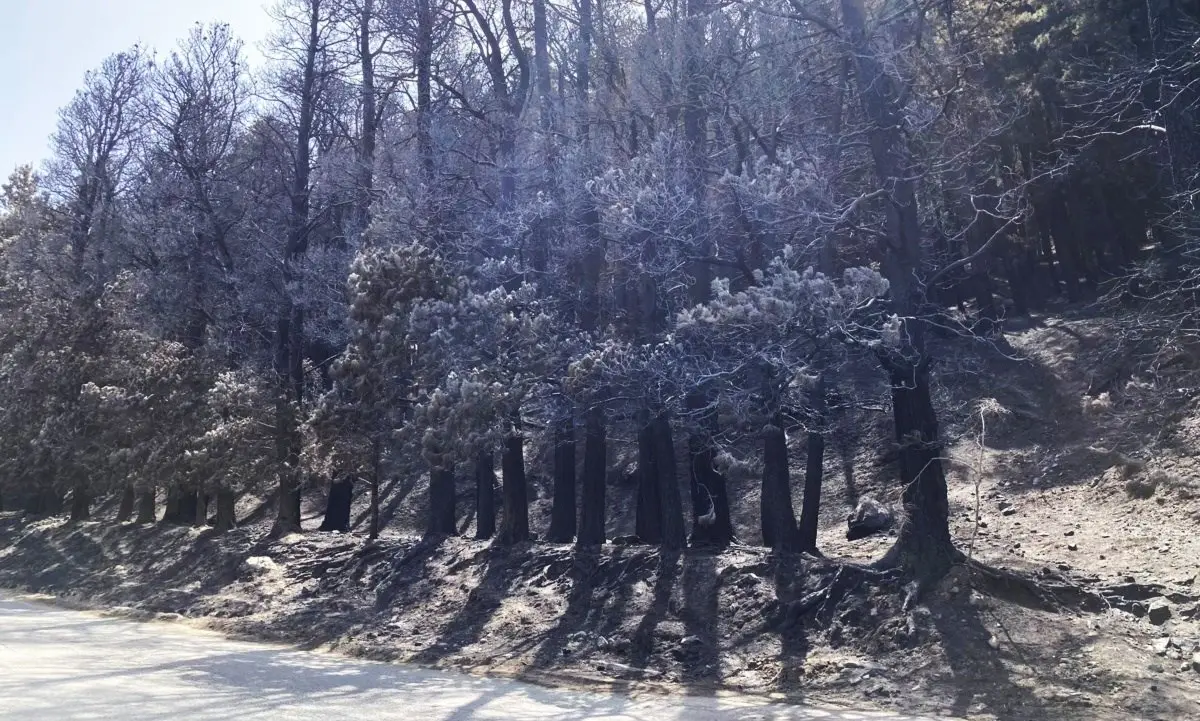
(58, 664)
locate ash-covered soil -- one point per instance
(1067, 465)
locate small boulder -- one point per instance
(1159, 612)
(869, 517)
(1196, 662)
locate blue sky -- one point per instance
(46, 46)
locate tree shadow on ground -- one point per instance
(466, 627)
(641, 644)
(981, 677)
(701, 590)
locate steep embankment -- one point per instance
(1091, 494)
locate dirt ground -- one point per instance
(1073, 470)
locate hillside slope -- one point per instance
(1091, 492)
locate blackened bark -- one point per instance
(181, 506)
(814, 470)
(485, 496)
(924, 543)
(128, 498)
(562, 513)
(81, 503)
(43, 502)
(201, 517)
(813, 476)
(595, 455)
(423, 59)
(514, 526)
(778, 516)
(441, 502)
(226, 517)
(648, 513)
(337, 507)
(289, 336)
(370, 118)
(145, 506)
(375, 481)
(711, 522)
(924, 547)
(674, 535)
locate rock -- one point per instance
(1159, 612)
(259, 566)
(1004, 505)
(1160, 645)
(1141, 487)
(1196, 662)
(1072, 546)
(869, 517)
(1008, 512)
(1069, 533)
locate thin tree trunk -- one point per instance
(514, 527)
(289, 340)
(674, 535)
(375, 481)
(366, 149)
(485, 495)
(711, 522)
(648, 514)
(441, 502)
(201, 518)
(562, 513)
(814, 471)
(595, 454)
(423, 59)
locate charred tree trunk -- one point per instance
(423, 59)
(648, 514)
(514, 527)
(441, 502)
(200, 520)
(145, 507)
(485, 496)
(674, 535)
(562, 513)
(81, 503)
(924, 547)
(288, 367)
(128, 499)
(43, 502)
(778, 516)
(375, 481)
(924, 543)
(226, 517)
(337, 507)
(813, 472)
(595, 456)
(181, 506)
(711, 522)
(289, 337)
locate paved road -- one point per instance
(63, 665)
